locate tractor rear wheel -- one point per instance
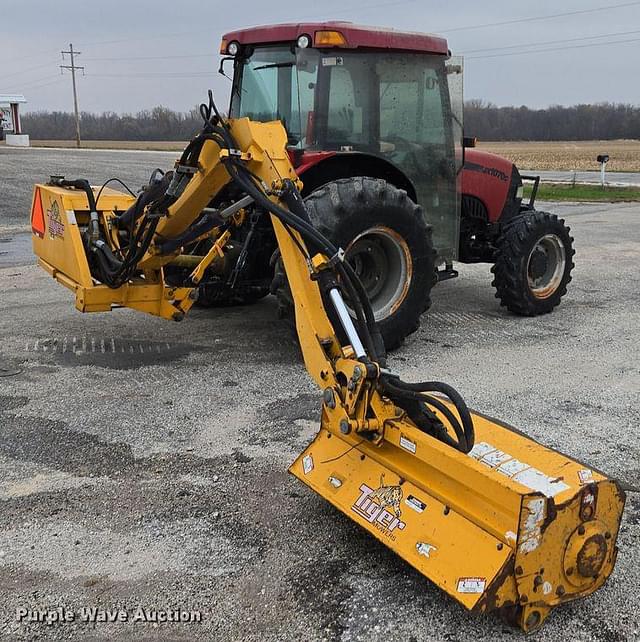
(387, 243)
(533, 263)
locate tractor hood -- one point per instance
(492, 180)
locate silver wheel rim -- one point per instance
(382, 260)
(546, 265)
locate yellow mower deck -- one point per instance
(512, 525)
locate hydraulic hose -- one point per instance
(294, 202)
(319, 242)
(413, 395)
(78, 183)
(463, 428)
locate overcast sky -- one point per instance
(142, 53)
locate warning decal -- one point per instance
(471, 584)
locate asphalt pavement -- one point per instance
(20, 168)
(144, 462)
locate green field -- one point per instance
(582, 192)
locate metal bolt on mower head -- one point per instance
(495, 519)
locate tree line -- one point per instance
(606, 121)
(159, 123)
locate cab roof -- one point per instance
(356, 36)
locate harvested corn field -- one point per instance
(569, 155)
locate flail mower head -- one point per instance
(511, 526)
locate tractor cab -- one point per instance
(372, 101)
(374, 124)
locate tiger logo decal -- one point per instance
(388, 496)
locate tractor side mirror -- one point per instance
(603, 158)
(221, 67)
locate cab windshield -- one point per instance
(393, 105)
(332, 100)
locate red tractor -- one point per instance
(374, 118)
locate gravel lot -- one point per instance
(143, 462)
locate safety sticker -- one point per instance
(415, 503)
(481, 449)
(495, 458)
(471, 584)
(536, 480)
(55, 224)
(332, 61)
(307, 464)
(517, 470)
(512, 467)
(425, 549)
(407, 444)
(585, 476)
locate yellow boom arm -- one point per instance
(509, 525)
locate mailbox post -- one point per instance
(603, 159)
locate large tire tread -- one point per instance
(509, 270)
(364, 199)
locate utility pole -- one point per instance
(73, 68)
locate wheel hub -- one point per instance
(586, 555)
(370, 262)
(538, 264)
(546, 266)
(382, 260)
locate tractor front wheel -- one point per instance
(533, 263)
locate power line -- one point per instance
(46, 84)
(549, 42)
(386, 4)
(159, 74)
(25, 71)
(41, 84)
(35, 80)
(535, 18)
(465, 28)
(176, 76)
(129, 58)
(200, 74)
(368, 7)
(159, 36)
(42, 54)
(472, 51)
(535, 51)
(73, 67)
